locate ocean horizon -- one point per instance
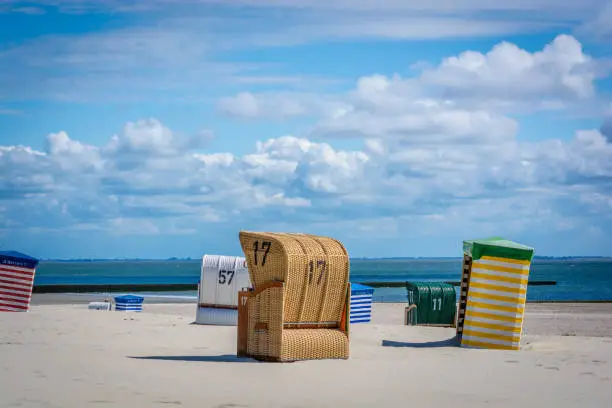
(577, 278)
(426, 258)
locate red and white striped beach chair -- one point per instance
(16, 281)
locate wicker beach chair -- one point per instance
(298, 308)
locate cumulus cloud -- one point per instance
(462, 94)
(151, 136)
(149, 172)
(560, 71)
(432, 163)
(316, 166)
(175, 190)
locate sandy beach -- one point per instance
(64, 355)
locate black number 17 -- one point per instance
(319, 264)
(265, 247)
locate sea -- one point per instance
(577, 279)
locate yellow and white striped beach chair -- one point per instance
(493, 293)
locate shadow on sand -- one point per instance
(226, 358)
(452, 342)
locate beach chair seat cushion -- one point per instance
(302, 344)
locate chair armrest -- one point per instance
(264, 321)
(266, 307)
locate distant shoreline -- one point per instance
(184, 287)
(160, 297)
(535, 258)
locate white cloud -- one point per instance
(185, 43)
(216, 159)
(148, 173)
(73, 155)
(435, 185)
(149, 137)
(437, 161)
(560, 71)
(463, 95)
(317, 165)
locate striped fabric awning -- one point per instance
(16, 281)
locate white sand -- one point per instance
(70, 357)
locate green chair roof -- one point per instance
(497, 247)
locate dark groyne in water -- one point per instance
(106, 288)
(454, 283)
(184, 287)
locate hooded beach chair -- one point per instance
(493, 293)
(298, 308)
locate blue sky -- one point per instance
(162, 128)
